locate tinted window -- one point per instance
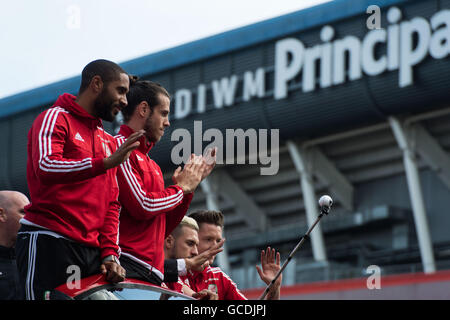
(139, 294)
(132, 292)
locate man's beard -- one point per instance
(104, 106)
(148, 127)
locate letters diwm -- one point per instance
(405, 44)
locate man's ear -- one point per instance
(143, 109)
(96, 84)
(169, 241)
(2, 215)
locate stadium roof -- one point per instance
(204, 48)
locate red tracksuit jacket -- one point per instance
(71, 192)
(150, 212)
(175, 286)
(213, 279)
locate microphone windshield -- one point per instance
(325, 203)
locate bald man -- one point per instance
(11, 211)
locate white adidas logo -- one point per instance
(79, 137)
(139, 158)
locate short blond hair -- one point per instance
(189, 222)
(185, 222)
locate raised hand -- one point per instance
(209, 159)
(190, 176)
(201, 261)
(270, 266)
(123, 152)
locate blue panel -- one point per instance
(37, 97)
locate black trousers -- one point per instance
(46, 261)
(137, 271)
(10, 288)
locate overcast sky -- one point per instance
(44, 41)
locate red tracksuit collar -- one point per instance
(144, 147)
(199, 274)
(67, 101)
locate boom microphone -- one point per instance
(325, 203)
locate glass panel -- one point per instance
(102, 294)
(139, 294)
(131, 294)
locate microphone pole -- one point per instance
(325, 203)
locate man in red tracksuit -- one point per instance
(72, 220)
(214, 279)
(183, 243)
(149, 210)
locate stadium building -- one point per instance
(349, 103)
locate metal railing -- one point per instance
(295, 273)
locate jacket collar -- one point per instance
(199, 274)
(144, 147)
(67, 101)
